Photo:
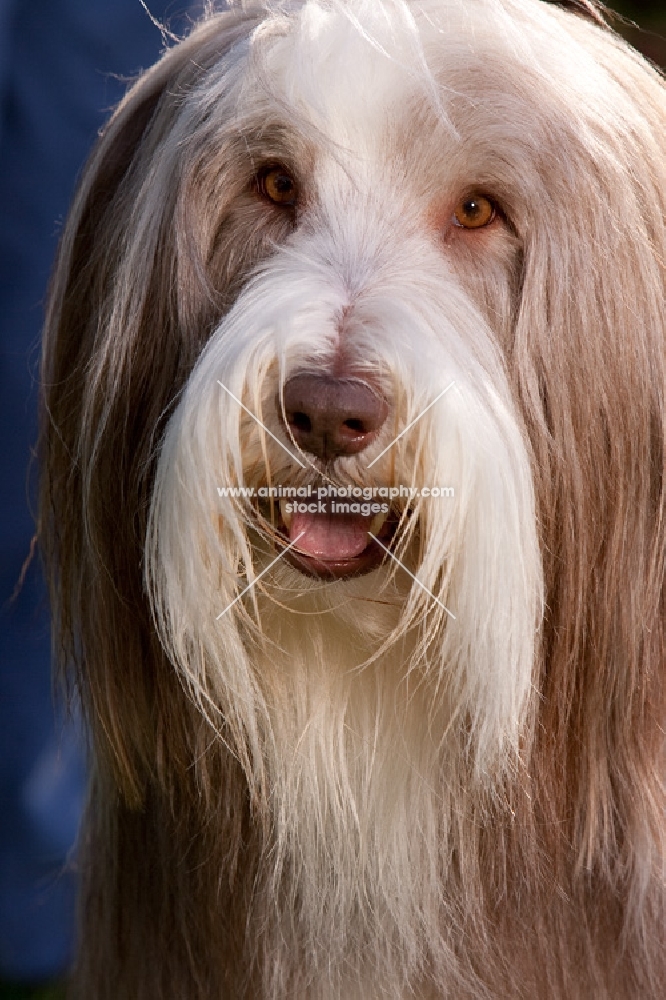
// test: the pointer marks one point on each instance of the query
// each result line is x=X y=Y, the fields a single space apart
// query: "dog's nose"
x=329 y=417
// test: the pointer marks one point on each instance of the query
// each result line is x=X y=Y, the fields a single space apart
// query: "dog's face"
x=372 y=253
x=381 y=248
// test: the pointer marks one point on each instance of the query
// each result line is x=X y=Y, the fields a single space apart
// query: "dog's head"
x=362 y=251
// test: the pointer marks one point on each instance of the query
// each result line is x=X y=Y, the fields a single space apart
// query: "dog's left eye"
x=474 y=212
x=277 y=184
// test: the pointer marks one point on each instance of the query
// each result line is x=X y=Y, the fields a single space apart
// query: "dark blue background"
x=61 y=69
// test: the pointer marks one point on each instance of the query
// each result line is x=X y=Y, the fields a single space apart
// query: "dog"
x=353 y=508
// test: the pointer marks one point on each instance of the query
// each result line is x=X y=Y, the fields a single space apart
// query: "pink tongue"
x=330 y=536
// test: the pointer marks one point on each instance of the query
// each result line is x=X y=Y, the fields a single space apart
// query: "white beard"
x=359 y=705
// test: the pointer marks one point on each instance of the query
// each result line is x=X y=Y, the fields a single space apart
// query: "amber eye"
x=474 y=212
x=277 y=184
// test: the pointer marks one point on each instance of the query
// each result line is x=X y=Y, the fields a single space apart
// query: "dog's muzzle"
x=329 y=418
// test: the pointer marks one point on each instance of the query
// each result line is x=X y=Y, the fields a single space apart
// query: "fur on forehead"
x=353 y=79
x=316 y=57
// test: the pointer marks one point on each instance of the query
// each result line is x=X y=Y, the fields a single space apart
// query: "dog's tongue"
x=330 y=536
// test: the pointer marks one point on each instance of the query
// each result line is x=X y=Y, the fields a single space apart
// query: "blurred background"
x=64 y=64
x=644 y=27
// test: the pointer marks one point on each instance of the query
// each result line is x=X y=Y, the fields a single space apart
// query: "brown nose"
x=329 y=417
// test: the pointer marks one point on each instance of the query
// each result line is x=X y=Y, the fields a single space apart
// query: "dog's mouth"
x=331 y=545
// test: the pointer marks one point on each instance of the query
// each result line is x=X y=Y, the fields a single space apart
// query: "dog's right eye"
x=277 y=184
x=474 y=212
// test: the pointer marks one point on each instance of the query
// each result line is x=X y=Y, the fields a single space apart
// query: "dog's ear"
x=121 y=157
x=112 y=362
x=590 y=362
